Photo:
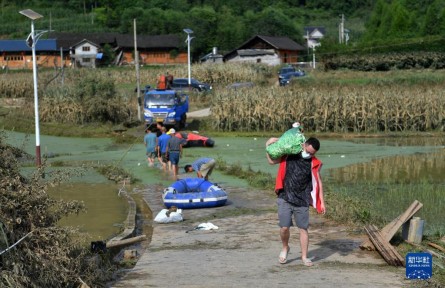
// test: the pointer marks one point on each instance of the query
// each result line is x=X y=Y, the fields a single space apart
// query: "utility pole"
x=62 y=63
x=138 y=78
x=341 y=29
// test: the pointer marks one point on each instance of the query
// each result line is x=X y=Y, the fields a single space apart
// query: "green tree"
x=230 y=30
x=126 y=20
x=401 y=23
x=434 y=19
x=273 y=22
x=203 y=22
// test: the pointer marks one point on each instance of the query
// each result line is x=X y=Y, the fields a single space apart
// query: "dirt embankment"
x=243 y=252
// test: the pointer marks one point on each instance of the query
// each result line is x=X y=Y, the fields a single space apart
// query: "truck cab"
x=165 y=106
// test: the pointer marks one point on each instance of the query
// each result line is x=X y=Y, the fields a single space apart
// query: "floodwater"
x=378 y=166
x=106 y=211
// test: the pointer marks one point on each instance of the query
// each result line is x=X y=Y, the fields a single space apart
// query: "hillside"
x=228 y=24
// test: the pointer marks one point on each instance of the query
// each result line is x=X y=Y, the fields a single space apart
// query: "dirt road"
x=243 y=252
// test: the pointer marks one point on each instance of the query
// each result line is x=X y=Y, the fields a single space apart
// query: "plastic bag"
x=289 y=143
x=165 y=216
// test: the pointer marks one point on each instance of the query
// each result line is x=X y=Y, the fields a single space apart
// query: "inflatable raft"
x=190 y=193
x=195 y=140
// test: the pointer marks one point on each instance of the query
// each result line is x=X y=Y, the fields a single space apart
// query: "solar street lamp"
x=31 y=41
x=189 y=31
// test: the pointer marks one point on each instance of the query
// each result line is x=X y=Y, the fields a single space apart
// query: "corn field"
x=337 y=101
x=331 y=108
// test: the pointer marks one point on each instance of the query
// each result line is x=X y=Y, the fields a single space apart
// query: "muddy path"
x=243 y=252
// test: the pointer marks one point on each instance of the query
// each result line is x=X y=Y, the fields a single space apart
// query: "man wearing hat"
x=174 y=150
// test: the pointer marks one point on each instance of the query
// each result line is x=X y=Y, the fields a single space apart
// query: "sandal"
x=283 y=256
x=307 y=262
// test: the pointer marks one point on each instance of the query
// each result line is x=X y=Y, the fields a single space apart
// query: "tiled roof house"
x=153 y=50
x=271 y=50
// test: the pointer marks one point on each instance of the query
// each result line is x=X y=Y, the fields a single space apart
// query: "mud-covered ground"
x=244 y=251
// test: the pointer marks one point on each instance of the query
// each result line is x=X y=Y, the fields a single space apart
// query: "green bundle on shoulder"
x=289 y=143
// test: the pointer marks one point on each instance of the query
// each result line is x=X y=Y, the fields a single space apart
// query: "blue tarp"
x=20 y=45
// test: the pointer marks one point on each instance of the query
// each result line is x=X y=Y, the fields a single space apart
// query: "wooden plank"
x=128 y=241
x=391 y=229
x=386 y=250
x=438 y=247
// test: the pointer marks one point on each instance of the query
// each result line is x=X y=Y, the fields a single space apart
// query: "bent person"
x=202 y=166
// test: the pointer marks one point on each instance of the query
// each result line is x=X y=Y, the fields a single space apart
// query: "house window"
x=285 y=58
x=86 y=48
x=258 y=60
x=86 y=60
x=13 y=58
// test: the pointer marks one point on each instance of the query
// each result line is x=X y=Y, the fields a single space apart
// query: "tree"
x=433 y=19
x=272 y=22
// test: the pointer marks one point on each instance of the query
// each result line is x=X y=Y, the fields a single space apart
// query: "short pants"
x=174 y=157
x=164 y=157
x=287 y=210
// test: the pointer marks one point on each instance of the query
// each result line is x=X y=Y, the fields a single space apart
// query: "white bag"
x=173 y=217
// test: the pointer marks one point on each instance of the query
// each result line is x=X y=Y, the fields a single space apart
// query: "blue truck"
x=165 y=106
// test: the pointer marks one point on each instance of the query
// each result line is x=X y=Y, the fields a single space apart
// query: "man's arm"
x=270 y=160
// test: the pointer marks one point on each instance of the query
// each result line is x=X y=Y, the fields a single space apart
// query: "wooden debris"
x=391 y=256
x=128 y=241
x=391 y=229
x=438 y=247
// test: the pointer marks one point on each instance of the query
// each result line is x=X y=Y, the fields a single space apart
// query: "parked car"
x=285 y=78
x=183 y=83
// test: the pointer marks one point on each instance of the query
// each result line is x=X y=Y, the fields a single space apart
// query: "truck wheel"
x=183 y=121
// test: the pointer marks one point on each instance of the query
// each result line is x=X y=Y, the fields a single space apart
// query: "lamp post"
x=189 y=31
x=31 y=41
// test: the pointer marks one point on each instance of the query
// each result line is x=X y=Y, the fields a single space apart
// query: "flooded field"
x=391 y=172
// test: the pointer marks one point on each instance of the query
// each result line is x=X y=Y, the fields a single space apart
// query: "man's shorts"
x=287 y=210
x=164 y=157
x=174 y=157
x=151 y=155
x=207 y=168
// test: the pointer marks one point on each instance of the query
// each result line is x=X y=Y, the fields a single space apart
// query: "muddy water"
x=379 y=162
x=105 y=209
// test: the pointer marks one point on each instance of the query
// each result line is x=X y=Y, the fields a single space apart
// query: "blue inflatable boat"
x=190 y=193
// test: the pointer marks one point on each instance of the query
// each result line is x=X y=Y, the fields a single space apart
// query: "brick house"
x=15 y=54
x=270 y=50
x=85 y=50
x=153 y=50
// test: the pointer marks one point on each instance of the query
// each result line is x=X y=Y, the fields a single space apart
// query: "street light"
x=189 y=31
x=31 y=41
